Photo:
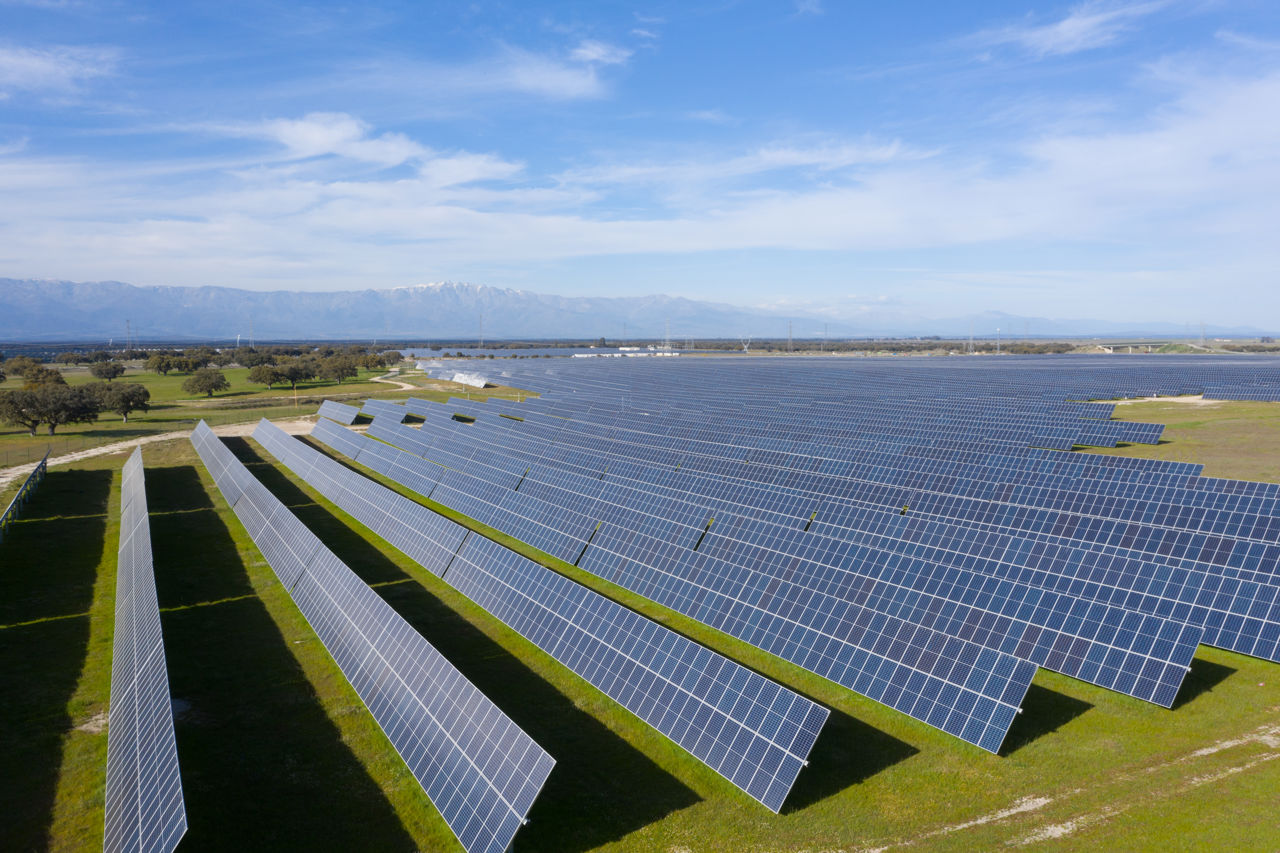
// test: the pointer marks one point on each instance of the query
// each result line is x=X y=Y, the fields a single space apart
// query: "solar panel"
x=343 y=414
x=144 y=807
x=754 y=732
x=478 y=768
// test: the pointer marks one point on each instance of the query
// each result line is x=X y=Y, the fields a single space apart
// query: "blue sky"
x=1118 y=160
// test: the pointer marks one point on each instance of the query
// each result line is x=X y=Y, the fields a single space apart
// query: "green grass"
x=277 y=751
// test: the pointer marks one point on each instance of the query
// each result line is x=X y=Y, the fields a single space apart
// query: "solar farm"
x=676 y=604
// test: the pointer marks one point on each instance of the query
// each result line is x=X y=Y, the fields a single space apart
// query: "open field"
x=277 y=752
x=174 y=409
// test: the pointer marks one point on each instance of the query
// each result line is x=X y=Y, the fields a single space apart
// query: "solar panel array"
x=339 y=412
x=754 y=732
x=144 y=807
x=478 y=768
x=951 y=683
x=742 y=491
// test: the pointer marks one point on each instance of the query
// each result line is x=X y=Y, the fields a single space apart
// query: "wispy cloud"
x=57 y=69
x=1088 y=26
x=600 y=53
x=511 y=70
x=710 y=116
x=809 y=7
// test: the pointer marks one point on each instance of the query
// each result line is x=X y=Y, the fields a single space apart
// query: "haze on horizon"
x=1108 y=159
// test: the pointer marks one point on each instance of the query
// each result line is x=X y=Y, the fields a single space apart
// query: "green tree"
x=159 y=362
x=40 y=377
x=298 y=370
x=60 y=405
x=392 y=357
x=53 y=405
x=123 y=398
x=107 y=370
x=265 y=374
x=21 y=364
x=18 y=408
x=338 y=367
x=68 y=358
x=205 y=381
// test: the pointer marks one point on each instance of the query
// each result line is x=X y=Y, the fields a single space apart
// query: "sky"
x=1112 y=160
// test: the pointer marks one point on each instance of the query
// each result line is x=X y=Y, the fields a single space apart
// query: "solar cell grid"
x=144 y=806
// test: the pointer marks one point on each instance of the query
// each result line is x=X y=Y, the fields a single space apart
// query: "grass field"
x=278 y=753
x=174 y=409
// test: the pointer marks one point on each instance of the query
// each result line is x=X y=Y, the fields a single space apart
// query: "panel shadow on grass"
x=50 y=564
x=602 y=787
x=1203 y=677
x=847 y=752
x=1044 y=711
x=200 y=566
x=263 y=766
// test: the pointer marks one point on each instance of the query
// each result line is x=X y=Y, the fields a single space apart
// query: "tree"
x=265 y=374
x=2 y=376
x=68 y=358
x=58 y=405
x=20 y=365
x=40 y=377
x=18 y=408
x=205 y=381
x=159 y=362
x=200 y=356
x=107 y=370
x=298 y=370
x=392 y=357
x=338 y=367
x=123 y=398
x=53 y=405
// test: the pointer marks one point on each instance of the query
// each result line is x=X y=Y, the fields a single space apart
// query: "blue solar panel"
x=144 y=806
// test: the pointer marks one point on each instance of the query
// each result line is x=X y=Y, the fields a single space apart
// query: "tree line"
x=46 y=400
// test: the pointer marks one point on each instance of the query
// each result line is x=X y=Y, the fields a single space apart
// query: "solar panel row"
x=478 y=768
x=144 y=807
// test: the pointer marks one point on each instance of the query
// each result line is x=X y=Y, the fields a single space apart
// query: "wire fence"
x=24 y=493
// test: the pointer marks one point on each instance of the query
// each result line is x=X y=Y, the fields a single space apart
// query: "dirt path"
x=298 y=426
x=403 y=386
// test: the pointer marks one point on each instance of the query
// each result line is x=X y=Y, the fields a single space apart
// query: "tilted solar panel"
x=144 y=807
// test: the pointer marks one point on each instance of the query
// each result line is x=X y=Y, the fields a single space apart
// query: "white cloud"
x=54 y=69
x=809 y=7
x=1088 y=26
x=644 y=34
x=510 y=71
x=600 y=53
x=1190 y=185
x=319 y=134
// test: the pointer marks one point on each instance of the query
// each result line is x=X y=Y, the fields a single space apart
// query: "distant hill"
x=36 y=310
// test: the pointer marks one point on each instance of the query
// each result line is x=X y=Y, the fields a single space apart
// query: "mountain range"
x=38 y=310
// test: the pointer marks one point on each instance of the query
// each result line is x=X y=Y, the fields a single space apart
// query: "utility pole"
x=997 y=340
x=788 y=336
x=128 y=336
x=482 y=329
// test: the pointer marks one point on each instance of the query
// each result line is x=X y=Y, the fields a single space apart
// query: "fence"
x=20 y=499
